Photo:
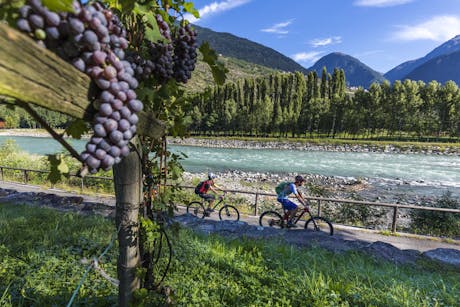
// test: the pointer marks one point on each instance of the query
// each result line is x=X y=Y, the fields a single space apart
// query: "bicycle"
x=226 y=213
x=314 y=223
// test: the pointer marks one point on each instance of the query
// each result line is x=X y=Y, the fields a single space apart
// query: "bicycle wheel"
x=196 y=208
x=320 y=224
x=229 y=213
x=271 y=219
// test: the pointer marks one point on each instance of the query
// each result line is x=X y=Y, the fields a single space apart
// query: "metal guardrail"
x=258 y=194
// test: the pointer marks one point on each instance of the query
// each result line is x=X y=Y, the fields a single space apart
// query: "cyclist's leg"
x=210 y=198
x=291 y=208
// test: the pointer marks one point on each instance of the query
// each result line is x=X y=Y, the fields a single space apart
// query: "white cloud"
x=380 y=3
x=279 y=28
x=310 y=57
x=438 y=28
x=320 y=42
x=215 y=8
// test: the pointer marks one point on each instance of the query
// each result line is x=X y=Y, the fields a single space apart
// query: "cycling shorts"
x=287 y=204
x=207 y=197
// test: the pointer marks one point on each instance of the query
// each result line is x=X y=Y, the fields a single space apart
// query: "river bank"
x=307 y=146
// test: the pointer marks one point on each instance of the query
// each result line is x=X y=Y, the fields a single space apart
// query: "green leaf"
x=152 y=32
x=190 y=8
x=58 y=168
x=77 y=128
x=59 y=5
x=218 y=69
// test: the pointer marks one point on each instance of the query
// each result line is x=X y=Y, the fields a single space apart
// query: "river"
x=428 y=173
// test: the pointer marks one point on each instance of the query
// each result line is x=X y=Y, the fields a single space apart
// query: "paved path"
x=402 y=241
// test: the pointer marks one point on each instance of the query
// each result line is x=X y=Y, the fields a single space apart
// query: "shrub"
x=437 y=223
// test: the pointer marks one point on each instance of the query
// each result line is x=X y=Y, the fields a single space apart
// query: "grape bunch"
x=93 y=39
x=173 y=57
x=184 y=53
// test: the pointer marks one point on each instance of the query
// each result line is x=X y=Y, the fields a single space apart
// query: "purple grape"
x=130 y=95
x=124 y=151
x=127 y=135
x=84 y=155
x=115 y=116
x=125 y=113
x=105 y=109
x=79 y=64
x=96 y=140
x=23 y=25
x=114 y=151
x=123 y=125
x=133 y=119
x=103 y=84
x=116 y=136
x=100 y=119
x=52 y=19
x=99 y=130
x=110 y=125
x=100 y=154
x=110 y=72
x=104 y=145
x=117 y=104
x=93 y=162
x=36 y=21
x=106 y=96
x=99 y=57
x=135 y=105
x=24 y=11
x=90 y=148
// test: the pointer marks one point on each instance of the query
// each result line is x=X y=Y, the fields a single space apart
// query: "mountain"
x=401 y=71
x=442 y=68
x=356 y=72
x=233 y=46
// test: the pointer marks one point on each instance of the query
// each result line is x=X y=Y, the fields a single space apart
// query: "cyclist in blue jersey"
x=291 y=207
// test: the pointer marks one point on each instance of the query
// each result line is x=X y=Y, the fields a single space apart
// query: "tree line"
x=293 y=104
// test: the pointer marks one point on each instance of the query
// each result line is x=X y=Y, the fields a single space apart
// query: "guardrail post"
x=255 y=205
x=395 y=216
x=1 y=171
x=319 y=207
x=82 y=184
x=26 y=179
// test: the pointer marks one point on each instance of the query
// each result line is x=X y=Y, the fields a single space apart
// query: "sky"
x=380 y=33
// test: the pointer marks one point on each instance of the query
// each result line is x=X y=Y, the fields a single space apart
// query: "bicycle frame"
x=298 y=215
x=221 y=199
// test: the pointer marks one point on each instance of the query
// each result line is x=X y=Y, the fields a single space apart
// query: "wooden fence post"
x=255 y=205
x=26 y=179
x=1 y=171
x=395 y=216
x=319 y=207
x=82 y=184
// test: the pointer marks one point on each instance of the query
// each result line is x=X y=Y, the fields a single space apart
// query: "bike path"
x=402 y=241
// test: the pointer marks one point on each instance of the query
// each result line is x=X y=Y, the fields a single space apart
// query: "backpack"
x=280 y=187
x=200 y=188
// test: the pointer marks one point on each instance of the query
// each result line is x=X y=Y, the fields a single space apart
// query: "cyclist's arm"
x=301 y=199
x=215 y=188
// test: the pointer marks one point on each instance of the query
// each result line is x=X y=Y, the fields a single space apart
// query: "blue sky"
x=380 y=33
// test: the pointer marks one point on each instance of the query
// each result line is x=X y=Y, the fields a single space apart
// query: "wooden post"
x=128 y=190
x=395 y=216
x=26 y=179
x=319 y=207
x=1 y=171
x=255 y=205
x=82 y=184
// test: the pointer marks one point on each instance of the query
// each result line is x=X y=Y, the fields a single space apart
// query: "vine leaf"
x=58 y=168
x=190 y=8
x=210 y=57
x=77 y=128
x=59 y=5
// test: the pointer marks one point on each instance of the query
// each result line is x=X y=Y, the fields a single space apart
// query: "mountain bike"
x=226 y=213
x=314 y=223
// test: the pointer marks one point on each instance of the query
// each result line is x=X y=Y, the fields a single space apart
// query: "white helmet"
x=211 y=176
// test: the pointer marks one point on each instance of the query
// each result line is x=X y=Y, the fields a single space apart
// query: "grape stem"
x=50 y=130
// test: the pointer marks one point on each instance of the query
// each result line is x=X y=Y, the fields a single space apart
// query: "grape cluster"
x=173 y=57
x=184 y=53
x=93 y=39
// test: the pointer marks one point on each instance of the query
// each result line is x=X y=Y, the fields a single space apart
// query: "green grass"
x=40 y=252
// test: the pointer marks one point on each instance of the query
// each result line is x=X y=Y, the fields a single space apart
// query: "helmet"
x=211 y=176
x=299 y=178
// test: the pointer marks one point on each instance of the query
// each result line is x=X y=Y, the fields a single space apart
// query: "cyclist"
x=284 y=190
x=203 y=188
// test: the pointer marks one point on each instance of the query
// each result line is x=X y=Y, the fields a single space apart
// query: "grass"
x=41 y=249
